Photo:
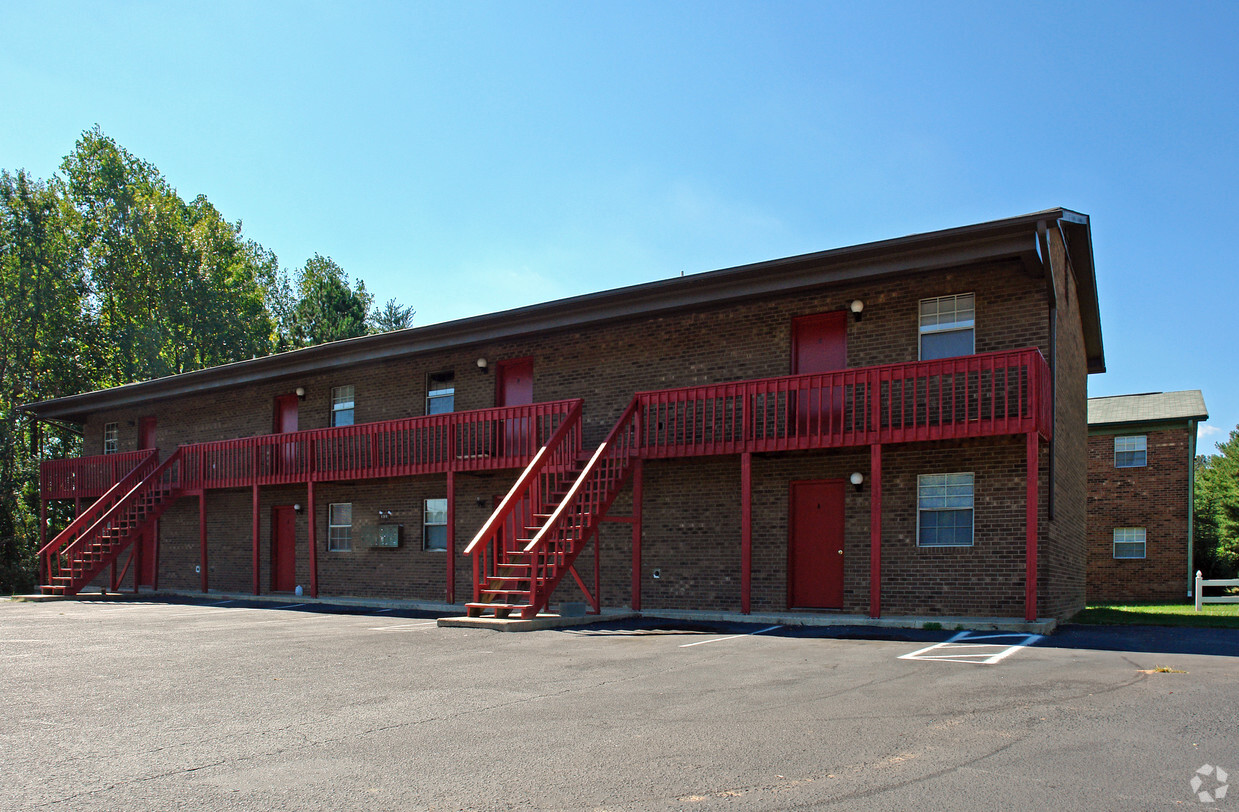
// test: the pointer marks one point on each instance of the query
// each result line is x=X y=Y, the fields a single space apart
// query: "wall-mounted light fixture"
x=857 y=479
x=481 y=501
x=385 y=514
x=858 y=308
x=482 y=364
x=300 y=393
x=296 y=508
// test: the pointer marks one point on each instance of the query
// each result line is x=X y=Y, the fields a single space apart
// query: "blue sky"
x=468 y=157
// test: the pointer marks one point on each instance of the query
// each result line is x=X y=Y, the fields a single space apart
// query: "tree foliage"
x=391 y=316
x=324 y=307
x=108 y=276
x=1216 y=510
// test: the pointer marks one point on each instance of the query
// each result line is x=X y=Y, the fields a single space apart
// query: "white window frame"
x=946 y=320
x=339 y=532
x=1132 y=444
x=343 y=399
x=111 y=438
x=427 y=524
x=440 y=393
x=1130 y=536
x=943 y=481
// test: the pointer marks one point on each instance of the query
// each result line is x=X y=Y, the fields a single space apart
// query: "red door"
x=283 y=549
x=284 y=421
x=819 y=344
x=146 y=433
x=815 y=550
x=285 y=414
x=514 y=387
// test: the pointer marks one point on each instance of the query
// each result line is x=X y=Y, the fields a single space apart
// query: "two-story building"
x=891 y=427
x=1141 y=475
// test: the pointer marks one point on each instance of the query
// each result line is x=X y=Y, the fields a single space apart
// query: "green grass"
x=1211 y=615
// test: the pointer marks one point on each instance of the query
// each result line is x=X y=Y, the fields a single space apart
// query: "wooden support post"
x=598 y=570
x=875 y=530
x=451 y=535
x=155 y=551
x=202 y=541
x=257 y=583
x=312 y=515
x=637 y=495
x=1030 y=520
x=45 y=577
x=136 y=558
x=746 y=530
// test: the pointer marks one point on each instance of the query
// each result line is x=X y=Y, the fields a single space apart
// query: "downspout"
x=1048 y=263
x=1191 y=505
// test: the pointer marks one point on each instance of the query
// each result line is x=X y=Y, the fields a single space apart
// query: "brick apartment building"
x=1141 y=473
x=891 y=427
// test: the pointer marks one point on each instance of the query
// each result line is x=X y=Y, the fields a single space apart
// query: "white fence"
x=1214 y=582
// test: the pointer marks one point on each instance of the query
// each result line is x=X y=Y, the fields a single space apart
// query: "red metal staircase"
x=548 y=518
x=97 y=537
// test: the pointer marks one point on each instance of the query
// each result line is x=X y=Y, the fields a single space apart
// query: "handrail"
x=586 y=473
x=103 y=517
x=1004 y=392
x=528 y=495
x=589 y=496
x=90 y=514
x=479 y=439
x=532 y=470
x=86 y=477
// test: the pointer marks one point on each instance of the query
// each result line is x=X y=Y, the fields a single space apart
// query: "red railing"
x=545 y=479
x=57 y=558
x=970 y=396
x=576 y=519
x=86 y=477
x=101 y=532
x=483 y=439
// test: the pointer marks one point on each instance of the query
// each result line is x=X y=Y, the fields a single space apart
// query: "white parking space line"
x=967 y=647
x=730 y=637
x=403 y=627
x=221 y=603
x=289 y=606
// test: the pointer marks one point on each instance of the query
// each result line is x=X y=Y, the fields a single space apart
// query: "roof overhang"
x=1010 y=239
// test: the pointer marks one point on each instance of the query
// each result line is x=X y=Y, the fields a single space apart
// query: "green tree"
x=391 y=316
x=174 y=287
x=44 y=336
x=1216 y=510
x=322 y=306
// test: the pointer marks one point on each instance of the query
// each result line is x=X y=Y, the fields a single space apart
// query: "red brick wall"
x=691 y=506
x=1153 y=497
x=1062 y=558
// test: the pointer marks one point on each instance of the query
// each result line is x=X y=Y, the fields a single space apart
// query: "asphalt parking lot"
x=132 y=705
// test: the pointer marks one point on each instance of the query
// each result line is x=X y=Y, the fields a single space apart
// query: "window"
x=947 y=326
x=1131 y=452
x=441 y=393
x=340 y=527
x=434 y=525
x=342 y=406
x=944 y=510
x=1129 y=542
x=111 y=438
